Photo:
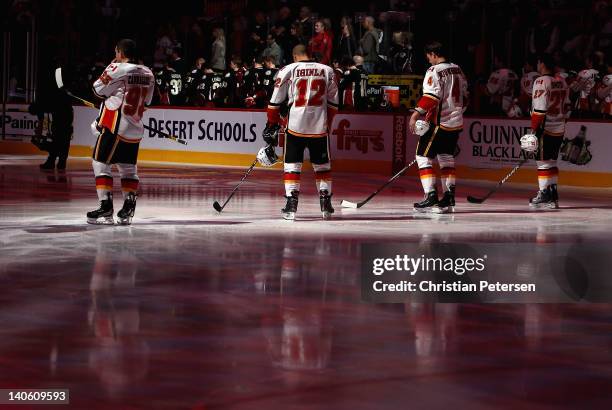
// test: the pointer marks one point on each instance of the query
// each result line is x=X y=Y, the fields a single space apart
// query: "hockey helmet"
x=529 y=143
x=267 y=156
x=421 y=127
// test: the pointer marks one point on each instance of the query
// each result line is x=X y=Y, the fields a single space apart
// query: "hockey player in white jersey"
x=529 y=76
x=604 y=93
x=501 y=86
x=583 y=86
x=550 y=110
x=443 y=102
x=126 y=88
x=312 y=94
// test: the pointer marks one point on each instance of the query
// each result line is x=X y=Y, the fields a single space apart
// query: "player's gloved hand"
x=270 y=134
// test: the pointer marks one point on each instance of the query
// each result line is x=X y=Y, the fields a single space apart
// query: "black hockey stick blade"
x=217 y=207
x=475 y=200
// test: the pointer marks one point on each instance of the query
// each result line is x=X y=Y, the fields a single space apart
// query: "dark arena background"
x=189 y=288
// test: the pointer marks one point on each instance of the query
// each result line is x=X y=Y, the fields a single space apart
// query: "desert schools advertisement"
x=358 y=143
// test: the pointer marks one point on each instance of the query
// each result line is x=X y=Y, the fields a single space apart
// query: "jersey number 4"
x=315 y=90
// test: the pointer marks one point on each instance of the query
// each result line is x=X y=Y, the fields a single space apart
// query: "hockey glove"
x=270 y=134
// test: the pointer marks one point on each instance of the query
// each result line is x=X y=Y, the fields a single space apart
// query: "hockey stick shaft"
x=393 y=178
x=503 y=181
x=60 y=84
x=239 y=183
x=146 y=127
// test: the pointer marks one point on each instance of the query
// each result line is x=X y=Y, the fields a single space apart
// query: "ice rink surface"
x=188 y=308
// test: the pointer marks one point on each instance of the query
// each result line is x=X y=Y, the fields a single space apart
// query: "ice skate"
x=104 y=214
x=545 y=199
x=447 y=203
x=326 y=206
x=288 y=212
x=429 y=201
x=125 y=214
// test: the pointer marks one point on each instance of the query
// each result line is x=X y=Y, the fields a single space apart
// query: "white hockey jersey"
x=550 y=104
x=583 y=84
x=311 y=90
x=527 y=82
x=502 y=82
x=126 y=89
x=604 y=94
x=445 y=96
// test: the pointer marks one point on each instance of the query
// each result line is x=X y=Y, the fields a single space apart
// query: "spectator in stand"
x=237 y=39
x=544 y=37
x=369 y=44
x=283 y=22
x=257 y=37
x=305 y=20
x=327 y=24
x=400 y=53
x=282 y=29
x=273 y=50
x=217 y=61
x=320 y=46
x=163 y=46
x=347 y=46
x=293 y=39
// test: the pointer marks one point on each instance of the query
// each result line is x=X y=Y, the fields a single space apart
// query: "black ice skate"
x=104 y=214
x=426 y=205
x=326 y=206
x=288 y=212
x=447 y=203
x=545 y=199
x=555 y=194
x=125 y=214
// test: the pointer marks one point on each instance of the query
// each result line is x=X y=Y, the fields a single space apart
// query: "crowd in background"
x=225 y=53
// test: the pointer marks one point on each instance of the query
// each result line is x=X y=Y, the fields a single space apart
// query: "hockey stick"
x=60 y=85
x=475 y=200
x=216 y=205
x=348 y=204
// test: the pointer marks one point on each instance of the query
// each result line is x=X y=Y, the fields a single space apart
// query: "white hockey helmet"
x=267 y=156
x=529 y=143
x=421 y=127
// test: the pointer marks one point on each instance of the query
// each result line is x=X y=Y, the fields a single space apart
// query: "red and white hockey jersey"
x=550 y=104
x=502 y=82
x=312 y=95
x=604 y=94
x=445 y=96
x=527 y=82
x=583 y=84
x=126 y=89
